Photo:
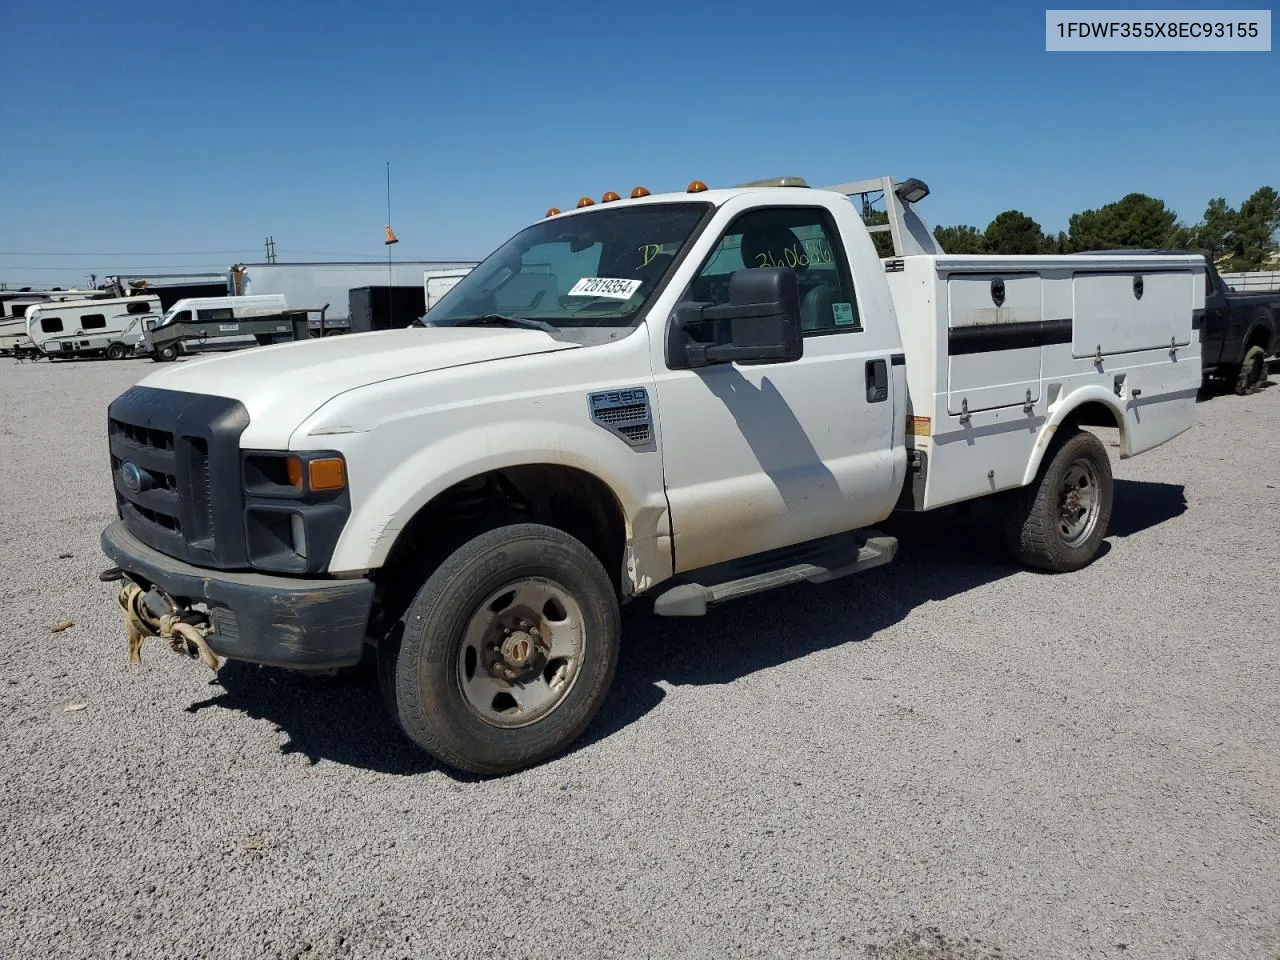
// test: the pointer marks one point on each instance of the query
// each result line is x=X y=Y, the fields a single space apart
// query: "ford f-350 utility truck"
x=686 y=397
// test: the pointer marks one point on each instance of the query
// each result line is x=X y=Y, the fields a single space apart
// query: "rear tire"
x=117 y=351
x=526 y=598
x=167 y=352
x=1252 y=371
x=1058 y=522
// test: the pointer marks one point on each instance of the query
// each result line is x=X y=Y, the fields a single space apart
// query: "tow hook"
x=152 y=613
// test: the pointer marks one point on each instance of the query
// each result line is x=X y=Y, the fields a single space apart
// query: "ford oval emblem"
x=131 y=476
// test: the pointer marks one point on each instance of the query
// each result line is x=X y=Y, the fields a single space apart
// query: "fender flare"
x=1064 y=408
x=1261 y=322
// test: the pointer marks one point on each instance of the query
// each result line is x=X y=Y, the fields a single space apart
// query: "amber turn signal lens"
x=585 y=202
x=327 y=474
x=697 y=186
x=638 y=192
x=294 y=466
x=552 y=212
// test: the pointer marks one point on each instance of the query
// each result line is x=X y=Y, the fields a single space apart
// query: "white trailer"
x=90 y=328
x=436 y=283
x=317 y=284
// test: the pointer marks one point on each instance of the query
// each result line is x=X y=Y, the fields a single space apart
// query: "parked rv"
x=90 y=328
x=14 y=341
x=205 y=324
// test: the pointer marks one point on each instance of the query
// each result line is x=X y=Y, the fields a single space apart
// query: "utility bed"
x=993 y=344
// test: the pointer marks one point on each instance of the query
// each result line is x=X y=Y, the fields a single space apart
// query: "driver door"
x=762 y=456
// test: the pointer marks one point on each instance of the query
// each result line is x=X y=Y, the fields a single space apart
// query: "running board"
x=820 y=562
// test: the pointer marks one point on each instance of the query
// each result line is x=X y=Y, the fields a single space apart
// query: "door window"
x=802 y=238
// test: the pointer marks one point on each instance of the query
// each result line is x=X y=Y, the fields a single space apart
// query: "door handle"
x=877 y=381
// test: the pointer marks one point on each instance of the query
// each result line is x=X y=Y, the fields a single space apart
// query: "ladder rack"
x=910 y=234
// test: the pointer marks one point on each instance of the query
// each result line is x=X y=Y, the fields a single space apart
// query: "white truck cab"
x=686 y=398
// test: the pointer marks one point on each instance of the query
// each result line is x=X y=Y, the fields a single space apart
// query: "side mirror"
x=759 y=324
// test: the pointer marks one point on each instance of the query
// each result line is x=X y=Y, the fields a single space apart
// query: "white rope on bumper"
x=184 y=638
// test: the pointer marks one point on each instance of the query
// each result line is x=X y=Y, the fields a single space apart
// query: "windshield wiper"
x=499 y=319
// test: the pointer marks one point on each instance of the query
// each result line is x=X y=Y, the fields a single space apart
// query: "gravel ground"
x=947 y=757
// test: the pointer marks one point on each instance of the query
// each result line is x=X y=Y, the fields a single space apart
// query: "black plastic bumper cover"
x=281 y=621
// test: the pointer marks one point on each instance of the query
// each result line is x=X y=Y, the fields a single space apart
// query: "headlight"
x=296 y=505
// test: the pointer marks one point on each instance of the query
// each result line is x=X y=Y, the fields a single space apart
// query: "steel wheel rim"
x=532 y=628
x=1079 y=502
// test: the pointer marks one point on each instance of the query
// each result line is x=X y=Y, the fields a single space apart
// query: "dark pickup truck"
x=1238 y=331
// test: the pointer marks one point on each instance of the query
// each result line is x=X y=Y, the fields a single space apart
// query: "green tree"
x=1013 y=232
x=1134 y=221
x=1213 y=235
x=1256 y=226
x=961 y=239
x=884 y=239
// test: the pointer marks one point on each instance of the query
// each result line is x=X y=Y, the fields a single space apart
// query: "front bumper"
x=280 y=621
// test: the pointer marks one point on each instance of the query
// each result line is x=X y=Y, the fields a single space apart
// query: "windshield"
x=593 y=269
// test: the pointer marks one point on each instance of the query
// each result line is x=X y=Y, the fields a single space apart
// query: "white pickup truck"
x=685 y=398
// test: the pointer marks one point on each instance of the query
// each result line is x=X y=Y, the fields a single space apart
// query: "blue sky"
x=195 y=131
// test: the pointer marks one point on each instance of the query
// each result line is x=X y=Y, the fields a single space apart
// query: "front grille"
x=182 y=452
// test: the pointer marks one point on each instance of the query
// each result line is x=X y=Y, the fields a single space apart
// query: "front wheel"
x=117 y=351
x=1058 y=522
x=507 y=652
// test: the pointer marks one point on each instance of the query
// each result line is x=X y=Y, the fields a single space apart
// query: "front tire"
x=117 y=351
x=507 y=652
x=1252 y=371
x=1059 y=522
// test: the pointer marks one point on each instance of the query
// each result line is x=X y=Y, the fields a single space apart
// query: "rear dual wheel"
x=506 y=653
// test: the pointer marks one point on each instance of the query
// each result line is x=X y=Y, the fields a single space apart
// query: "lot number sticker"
x=614 y=289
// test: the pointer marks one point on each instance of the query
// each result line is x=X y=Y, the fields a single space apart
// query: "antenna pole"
x=389 y=284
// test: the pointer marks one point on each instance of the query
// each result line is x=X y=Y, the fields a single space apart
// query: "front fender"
x=408 y=485
x=1065 y=407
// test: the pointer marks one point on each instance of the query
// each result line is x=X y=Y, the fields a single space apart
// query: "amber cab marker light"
x=585 y=202
x=294 y=467
x=553 y=211
x=327 y=474
x=697 y=186
x=639 y=192
x=610 y=197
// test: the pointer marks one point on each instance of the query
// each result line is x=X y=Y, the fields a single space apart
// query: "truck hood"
x=290 y=381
